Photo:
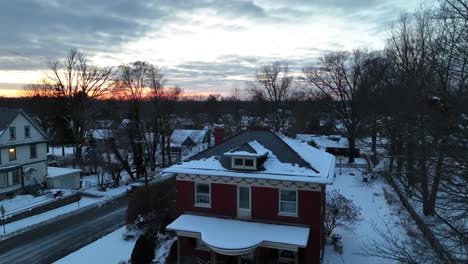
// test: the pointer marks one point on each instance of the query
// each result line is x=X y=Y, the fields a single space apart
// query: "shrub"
x=340 y=212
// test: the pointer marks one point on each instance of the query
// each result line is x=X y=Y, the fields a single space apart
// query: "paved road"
x=49 y=243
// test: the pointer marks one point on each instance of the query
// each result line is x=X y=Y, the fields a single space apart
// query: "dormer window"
x=244 y=163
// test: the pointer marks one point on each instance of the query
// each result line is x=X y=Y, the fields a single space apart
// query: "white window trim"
x=243 y=166
x=209 y=194
x=279 y=203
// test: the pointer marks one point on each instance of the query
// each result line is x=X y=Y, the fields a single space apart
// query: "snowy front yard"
x=108 y=249
x=113 y=249
x=375 y=213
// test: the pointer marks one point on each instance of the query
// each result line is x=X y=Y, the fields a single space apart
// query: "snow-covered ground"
x=22 y=202
x=39 y=218
x=375 y=213
x=111 y=248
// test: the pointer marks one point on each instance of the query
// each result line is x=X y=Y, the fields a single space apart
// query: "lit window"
x=3 y=179
x=12 y=153
x=33 y=151
x=288 y=202
x=27 y=132
x=202 y=194
x=12 y=133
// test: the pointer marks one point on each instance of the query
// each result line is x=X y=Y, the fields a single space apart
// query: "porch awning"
x=235 y=237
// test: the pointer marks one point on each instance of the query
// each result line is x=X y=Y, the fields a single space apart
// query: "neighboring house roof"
x=286 y=159
x=325 y=141
x=181 y=136
x=8 y=115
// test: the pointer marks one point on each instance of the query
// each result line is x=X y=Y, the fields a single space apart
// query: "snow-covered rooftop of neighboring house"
x=226 y=235
x=53 y=172
x=101 y=133
x=287 y=159
x=180 y=135
x=324 y=141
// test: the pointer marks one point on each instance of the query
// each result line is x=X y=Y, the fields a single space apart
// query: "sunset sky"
x=203 y=46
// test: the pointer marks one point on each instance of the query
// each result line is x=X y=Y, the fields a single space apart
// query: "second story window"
x=202 y=194
x=27 y=132
x=33 y=151
x=12 y=153
x=288 y=203
x=12 y=133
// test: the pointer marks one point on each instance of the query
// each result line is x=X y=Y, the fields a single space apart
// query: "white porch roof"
x=235 y=237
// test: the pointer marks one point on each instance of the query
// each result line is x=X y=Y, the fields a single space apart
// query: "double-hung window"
x=16 y=177
x=288 y=203
x=12 y=131
x=27 y=132
x=33 y=151
x=3 y=179
x=202 y=194
x=12 y=153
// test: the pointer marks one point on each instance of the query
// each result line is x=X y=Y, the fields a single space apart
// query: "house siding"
x=23 y=157
x=264 y=207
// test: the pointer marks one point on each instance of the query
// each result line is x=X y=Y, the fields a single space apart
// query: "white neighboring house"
x=23 y=151
x=184 y=140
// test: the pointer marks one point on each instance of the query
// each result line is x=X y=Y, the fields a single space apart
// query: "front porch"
x=213 y=240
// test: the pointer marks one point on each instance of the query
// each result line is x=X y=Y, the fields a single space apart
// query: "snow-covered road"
x=51 y=242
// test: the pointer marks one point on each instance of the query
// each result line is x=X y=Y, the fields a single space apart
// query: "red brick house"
x=258 y=197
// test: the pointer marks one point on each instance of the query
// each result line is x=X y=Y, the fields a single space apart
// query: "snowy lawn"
x=110 y=249
x=375 y=212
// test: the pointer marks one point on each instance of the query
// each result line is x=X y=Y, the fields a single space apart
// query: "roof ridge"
x=277 y=134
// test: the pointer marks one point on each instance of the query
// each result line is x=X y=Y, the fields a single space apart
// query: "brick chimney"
x=218 y=134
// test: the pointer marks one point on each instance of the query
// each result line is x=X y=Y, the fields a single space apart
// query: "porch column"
x=178 y=250
x=213 y=257
x=296 y=257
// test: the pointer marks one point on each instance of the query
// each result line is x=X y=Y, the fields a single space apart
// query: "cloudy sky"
x=204 y=46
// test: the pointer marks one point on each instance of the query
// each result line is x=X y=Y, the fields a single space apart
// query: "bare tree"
x=339 y=79
x=274 y=84
x=78 y=83
x=132 y=83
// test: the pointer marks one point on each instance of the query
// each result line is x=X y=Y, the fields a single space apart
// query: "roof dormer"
x=247 y=157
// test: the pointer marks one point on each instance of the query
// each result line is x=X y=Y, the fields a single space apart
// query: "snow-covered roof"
x=180 y=135
x=255 y=150
x=101 y=133
x=53 y=172
x=227 y=236
x=287 y=159
x=325 y=141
